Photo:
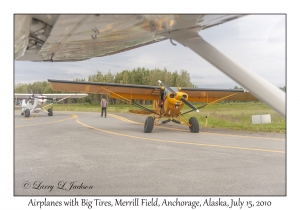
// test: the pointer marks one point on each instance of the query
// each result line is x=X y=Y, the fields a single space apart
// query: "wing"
x=80 y=37
x=143 y=92
x=210 y=95
x=23 y=95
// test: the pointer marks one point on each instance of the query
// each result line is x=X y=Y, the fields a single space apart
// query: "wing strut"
x=56 y=102
x=129 y=101
x=259 y=87
x=200 y=107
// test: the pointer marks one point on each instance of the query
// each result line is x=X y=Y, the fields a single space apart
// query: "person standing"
x=103 y=105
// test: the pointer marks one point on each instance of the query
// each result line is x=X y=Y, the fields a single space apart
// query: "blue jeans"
x=103 y=109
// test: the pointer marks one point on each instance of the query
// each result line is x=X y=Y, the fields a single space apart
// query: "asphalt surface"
x=80 y=153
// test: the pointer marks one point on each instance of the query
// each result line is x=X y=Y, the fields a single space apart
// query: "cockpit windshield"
x=175 y=89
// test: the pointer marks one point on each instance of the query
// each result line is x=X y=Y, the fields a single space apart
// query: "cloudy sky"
x=257 y=42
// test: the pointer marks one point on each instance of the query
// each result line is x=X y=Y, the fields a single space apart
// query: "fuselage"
x=34 y=104
x=173 y=104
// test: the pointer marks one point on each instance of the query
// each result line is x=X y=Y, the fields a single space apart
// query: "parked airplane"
x=59 y=38
x=167 y=102
x=34 y=103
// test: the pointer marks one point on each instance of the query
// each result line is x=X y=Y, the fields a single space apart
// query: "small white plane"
x=34 y=103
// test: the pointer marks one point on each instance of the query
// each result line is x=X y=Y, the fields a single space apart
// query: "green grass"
x=237 y=116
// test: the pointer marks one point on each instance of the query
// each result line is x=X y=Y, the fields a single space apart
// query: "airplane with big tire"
x=35 y=103
x=167 y=102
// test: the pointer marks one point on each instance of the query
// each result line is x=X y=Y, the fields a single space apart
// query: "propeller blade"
x=166 y=86
x=189 y=104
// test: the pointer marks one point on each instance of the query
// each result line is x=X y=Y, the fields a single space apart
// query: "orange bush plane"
x=167 y=101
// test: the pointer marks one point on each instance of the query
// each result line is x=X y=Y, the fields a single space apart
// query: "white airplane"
x=34 y=103
x=58 y=38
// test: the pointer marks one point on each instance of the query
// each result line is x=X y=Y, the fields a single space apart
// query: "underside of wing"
x=143 y=92
x=80 y=37
x=210 y=95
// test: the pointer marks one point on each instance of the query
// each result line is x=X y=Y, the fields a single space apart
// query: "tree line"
x=139 y=76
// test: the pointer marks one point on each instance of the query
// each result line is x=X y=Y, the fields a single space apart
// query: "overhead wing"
x=143 y=92
x=210 y=95
x=79 y=37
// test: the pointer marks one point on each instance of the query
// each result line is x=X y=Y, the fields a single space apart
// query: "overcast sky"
x=257 y=42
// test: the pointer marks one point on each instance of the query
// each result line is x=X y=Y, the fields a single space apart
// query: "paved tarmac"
x=80 y=153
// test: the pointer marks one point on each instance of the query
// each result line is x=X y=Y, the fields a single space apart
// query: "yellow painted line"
x=124 y=119
x=220 y=134
x=178 y=142
x=127 y=120
x=74 y=116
